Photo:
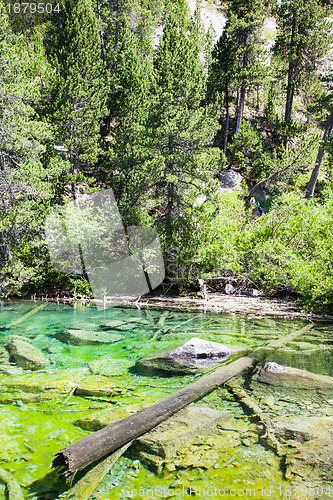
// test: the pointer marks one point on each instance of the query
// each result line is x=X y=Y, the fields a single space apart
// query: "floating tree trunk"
x=105 y=441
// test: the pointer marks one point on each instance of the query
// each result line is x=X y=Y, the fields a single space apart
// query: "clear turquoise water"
x=47 y=426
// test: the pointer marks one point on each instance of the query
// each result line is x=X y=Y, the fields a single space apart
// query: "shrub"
x=291 y=247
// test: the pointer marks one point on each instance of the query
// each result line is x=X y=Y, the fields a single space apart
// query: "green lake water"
x=33 y=428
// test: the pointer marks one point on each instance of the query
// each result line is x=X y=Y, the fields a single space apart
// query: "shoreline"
x=253 y=307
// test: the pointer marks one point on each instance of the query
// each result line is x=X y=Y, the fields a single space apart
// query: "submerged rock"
x=110 y=367
x=25 y=355
x=113 y=324
x=163 y=442
x=97 y=420
x=84 y=337
x=97 y=387
x=4 y=356
x=302 y=429
x=318 y=359
x=194 y=355
x=127 y=325
x=313 y=462
x=285 y=376
x=58 y=384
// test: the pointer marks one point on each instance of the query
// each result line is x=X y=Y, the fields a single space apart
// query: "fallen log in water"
x=87 y=485
x=27 y=315
x=13 y=488
x=105 y=441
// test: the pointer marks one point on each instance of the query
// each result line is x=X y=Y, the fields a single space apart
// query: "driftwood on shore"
x=105 y=441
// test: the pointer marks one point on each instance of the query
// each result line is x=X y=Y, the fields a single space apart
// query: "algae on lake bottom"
x=43 y=411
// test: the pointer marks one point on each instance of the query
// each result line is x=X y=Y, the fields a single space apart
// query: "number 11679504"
x=32 y=8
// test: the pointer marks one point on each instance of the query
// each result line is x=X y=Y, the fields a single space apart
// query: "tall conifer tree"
x=181 y=128
x=238 y=58
x=127 y=165
x=79 y=86
x=302 y=39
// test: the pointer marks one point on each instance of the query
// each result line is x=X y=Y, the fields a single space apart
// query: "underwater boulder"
x=109 y=367
x=294 y=378
x=25 y=355
x=158 y=446
x=312 y=462
x=84 y=337
x=4 y=356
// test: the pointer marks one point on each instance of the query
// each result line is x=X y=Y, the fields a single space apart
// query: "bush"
x=291 y=247
x=211 y=246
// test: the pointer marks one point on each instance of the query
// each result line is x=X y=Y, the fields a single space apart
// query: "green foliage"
x=214 y=245
x=25 y=182
x=88 y=102
x=180 y=126
x=303 y=37
x=129 y=166
x=291 y=246
x=246 y=148
x=77 y=85
x=238 y=58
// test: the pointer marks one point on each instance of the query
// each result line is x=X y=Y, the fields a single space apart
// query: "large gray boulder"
x=25 y=355
x=230 y=180
x=197 y=348
x=193 y=356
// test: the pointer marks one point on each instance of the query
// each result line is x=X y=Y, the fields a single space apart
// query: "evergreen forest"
x=92 y=98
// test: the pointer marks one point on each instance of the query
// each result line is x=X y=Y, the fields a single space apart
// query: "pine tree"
x=78 y=86
x=238 y=58
x=25 y=178
x=302 y=39
x=222 y=77
x=181 y=128
x=127 y=166
x=323 y=107
x=246 y=20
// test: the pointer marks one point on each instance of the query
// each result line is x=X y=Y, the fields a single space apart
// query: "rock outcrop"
x=230 y=180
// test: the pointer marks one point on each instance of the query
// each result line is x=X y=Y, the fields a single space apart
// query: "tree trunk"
x=242 y=93
x=291 y=74
x=321 y=152
x=226 y=129
x=170 y=214
x=105 y=441
x=5 y=253
x=290 y=94
x=240 y=110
